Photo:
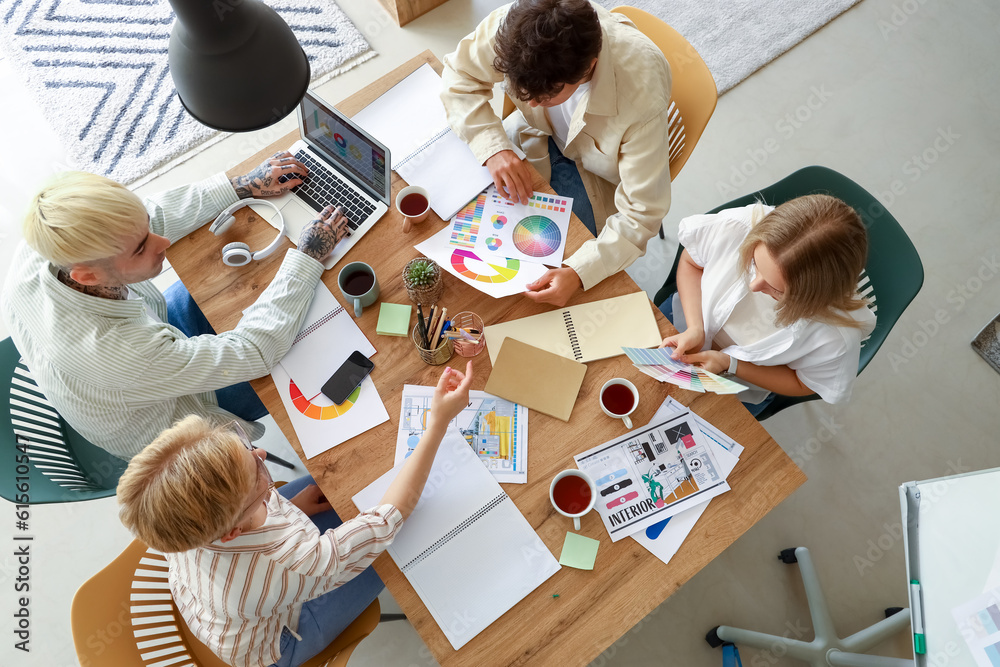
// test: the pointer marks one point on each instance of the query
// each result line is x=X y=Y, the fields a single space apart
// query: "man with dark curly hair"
x=591 y=94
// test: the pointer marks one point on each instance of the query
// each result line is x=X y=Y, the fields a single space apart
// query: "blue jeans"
x=322 y=619
x=667 y=308
x=183 y=313
x=566 y=181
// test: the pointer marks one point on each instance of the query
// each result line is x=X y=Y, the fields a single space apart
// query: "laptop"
x=347 y=167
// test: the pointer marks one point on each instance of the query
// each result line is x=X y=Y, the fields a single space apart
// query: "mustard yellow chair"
x=125 y=615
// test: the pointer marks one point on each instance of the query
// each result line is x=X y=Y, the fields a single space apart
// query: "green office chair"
x=893 y=274
x=47 y=461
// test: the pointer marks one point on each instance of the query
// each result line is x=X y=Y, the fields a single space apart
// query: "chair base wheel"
x=713 y=638
x=787 y=556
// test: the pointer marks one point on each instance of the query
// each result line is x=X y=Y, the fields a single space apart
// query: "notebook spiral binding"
x=422 y=148
x=574 y=342
x=455 y=532
x=317 y=324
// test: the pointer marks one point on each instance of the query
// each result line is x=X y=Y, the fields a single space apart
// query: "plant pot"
x=424 y=294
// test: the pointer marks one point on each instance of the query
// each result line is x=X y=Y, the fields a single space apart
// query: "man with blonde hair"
x=266 y=578
x=119 y=360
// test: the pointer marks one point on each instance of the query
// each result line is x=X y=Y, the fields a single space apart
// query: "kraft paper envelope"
x=537 y=379
x=585 y=332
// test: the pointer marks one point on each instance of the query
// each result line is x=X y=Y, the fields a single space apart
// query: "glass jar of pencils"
x=468 y=334
x=437 y=356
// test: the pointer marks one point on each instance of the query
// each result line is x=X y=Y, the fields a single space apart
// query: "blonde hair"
x=79 y=217
x=821 y=246
x=187 y=488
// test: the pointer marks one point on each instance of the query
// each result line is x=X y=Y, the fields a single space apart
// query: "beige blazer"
x=618 y=135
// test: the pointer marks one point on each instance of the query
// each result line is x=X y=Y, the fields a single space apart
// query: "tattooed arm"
x=319 y=237
x=263 y=181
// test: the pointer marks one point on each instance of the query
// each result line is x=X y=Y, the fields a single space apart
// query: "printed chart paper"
x=653 y=473
x=496 y=430
x=979 y=623
x=664 y=541
x=658 y=363
x=532 y=232
x=454 y=249
x=319 y=423
x=327 y=338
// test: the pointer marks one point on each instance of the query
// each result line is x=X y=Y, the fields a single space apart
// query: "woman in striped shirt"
x=265 y=578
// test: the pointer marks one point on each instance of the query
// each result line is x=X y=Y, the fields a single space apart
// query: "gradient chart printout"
x=979 y=623
x=495 y=429
x=319 y=423
x=532 y=232
x=452 y=248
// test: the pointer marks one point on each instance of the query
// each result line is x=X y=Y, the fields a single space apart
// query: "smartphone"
x=347 y=378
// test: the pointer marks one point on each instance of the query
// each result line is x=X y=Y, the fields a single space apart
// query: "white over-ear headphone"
x=238 y=254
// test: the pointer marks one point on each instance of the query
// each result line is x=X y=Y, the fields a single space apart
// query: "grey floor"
x=902 y=97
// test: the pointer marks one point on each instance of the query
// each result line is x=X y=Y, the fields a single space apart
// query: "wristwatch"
x=733 y=362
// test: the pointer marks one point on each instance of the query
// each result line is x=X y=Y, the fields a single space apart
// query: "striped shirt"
x=238 y=596
x=114 y=370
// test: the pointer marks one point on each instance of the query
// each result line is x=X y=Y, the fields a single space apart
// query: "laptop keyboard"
x=322 y=188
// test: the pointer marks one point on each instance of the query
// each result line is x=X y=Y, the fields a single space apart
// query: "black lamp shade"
x=236 y=64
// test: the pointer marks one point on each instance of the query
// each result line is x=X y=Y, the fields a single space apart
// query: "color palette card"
x=659 y=364
x=532 y=232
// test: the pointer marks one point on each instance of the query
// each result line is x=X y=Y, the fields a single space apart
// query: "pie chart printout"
x=537 y=236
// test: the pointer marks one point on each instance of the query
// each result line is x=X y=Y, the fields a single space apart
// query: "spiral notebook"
x=587 y=332
x=467 y=550
x=424 y=149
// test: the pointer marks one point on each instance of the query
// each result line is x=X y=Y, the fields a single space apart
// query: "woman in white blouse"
x=769 y=296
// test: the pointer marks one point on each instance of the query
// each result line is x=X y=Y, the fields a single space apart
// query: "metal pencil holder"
x=441 y=354
x=469 y=321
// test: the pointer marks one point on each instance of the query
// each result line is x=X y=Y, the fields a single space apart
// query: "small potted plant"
x=423 y=280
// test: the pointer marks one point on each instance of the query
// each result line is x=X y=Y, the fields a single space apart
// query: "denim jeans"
x=566 y=182
x=183 y=313
x=322 y=619
x=667 y=308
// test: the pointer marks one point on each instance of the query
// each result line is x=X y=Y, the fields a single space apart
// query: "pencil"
x=438 y=328
x=432 y=319
x=421 y=325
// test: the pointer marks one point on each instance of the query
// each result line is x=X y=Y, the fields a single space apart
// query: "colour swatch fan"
x=659 y=364
x=532 y=232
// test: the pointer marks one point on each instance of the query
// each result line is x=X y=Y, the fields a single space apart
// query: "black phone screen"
x=347 y=378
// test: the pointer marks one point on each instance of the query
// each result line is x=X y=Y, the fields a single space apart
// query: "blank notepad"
x=467 y=550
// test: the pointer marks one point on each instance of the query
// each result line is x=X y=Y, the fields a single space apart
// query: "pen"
x=467 y=335
x=421 y=325
x=917 y=618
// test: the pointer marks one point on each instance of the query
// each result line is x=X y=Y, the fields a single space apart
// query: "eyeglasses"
x=771 y=290
x=262 y=471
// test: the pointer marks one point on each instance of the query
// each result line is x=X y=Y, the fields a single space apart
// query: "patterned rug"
x=736 y=38
x=99 y=70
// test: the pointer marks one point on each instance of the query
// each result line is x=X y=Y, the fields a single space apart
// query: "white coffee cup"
x=593 y=495
x=624 y=416
x=410 y=219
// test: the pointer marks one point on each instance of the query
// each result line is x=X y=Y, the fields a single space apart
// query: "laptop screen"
x=346 y=146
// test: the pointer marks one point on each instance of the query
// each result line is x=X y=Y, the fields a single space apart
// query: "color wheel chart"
x=502 y=275
x=320 y=412
x=532 y=232
x=537 y=236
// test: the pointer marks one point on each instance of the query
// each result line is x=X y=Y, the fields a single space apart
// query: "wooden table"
x=594 y=608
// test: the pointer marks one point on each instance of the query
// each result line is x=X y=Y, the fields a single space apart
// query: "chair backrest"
x=693 y=92
x=893 y=274
x=61 y=465
x=125 y=615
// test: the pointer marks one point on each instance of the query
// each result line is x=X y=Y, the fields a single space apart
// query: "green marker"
x=917 y=618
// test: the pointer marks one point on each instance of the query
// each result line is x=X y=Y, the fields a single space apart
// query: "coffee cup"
x=573 y=494
x=619 y=398
x=359 y=285
x=414 y=204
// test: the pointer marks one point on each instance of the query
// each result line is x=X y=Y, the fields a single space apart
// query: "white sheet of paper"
x=496 y=429
x=532 y=232
x=328 y=336
x=467 y=550
x=496 y=277
x=321 y=425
